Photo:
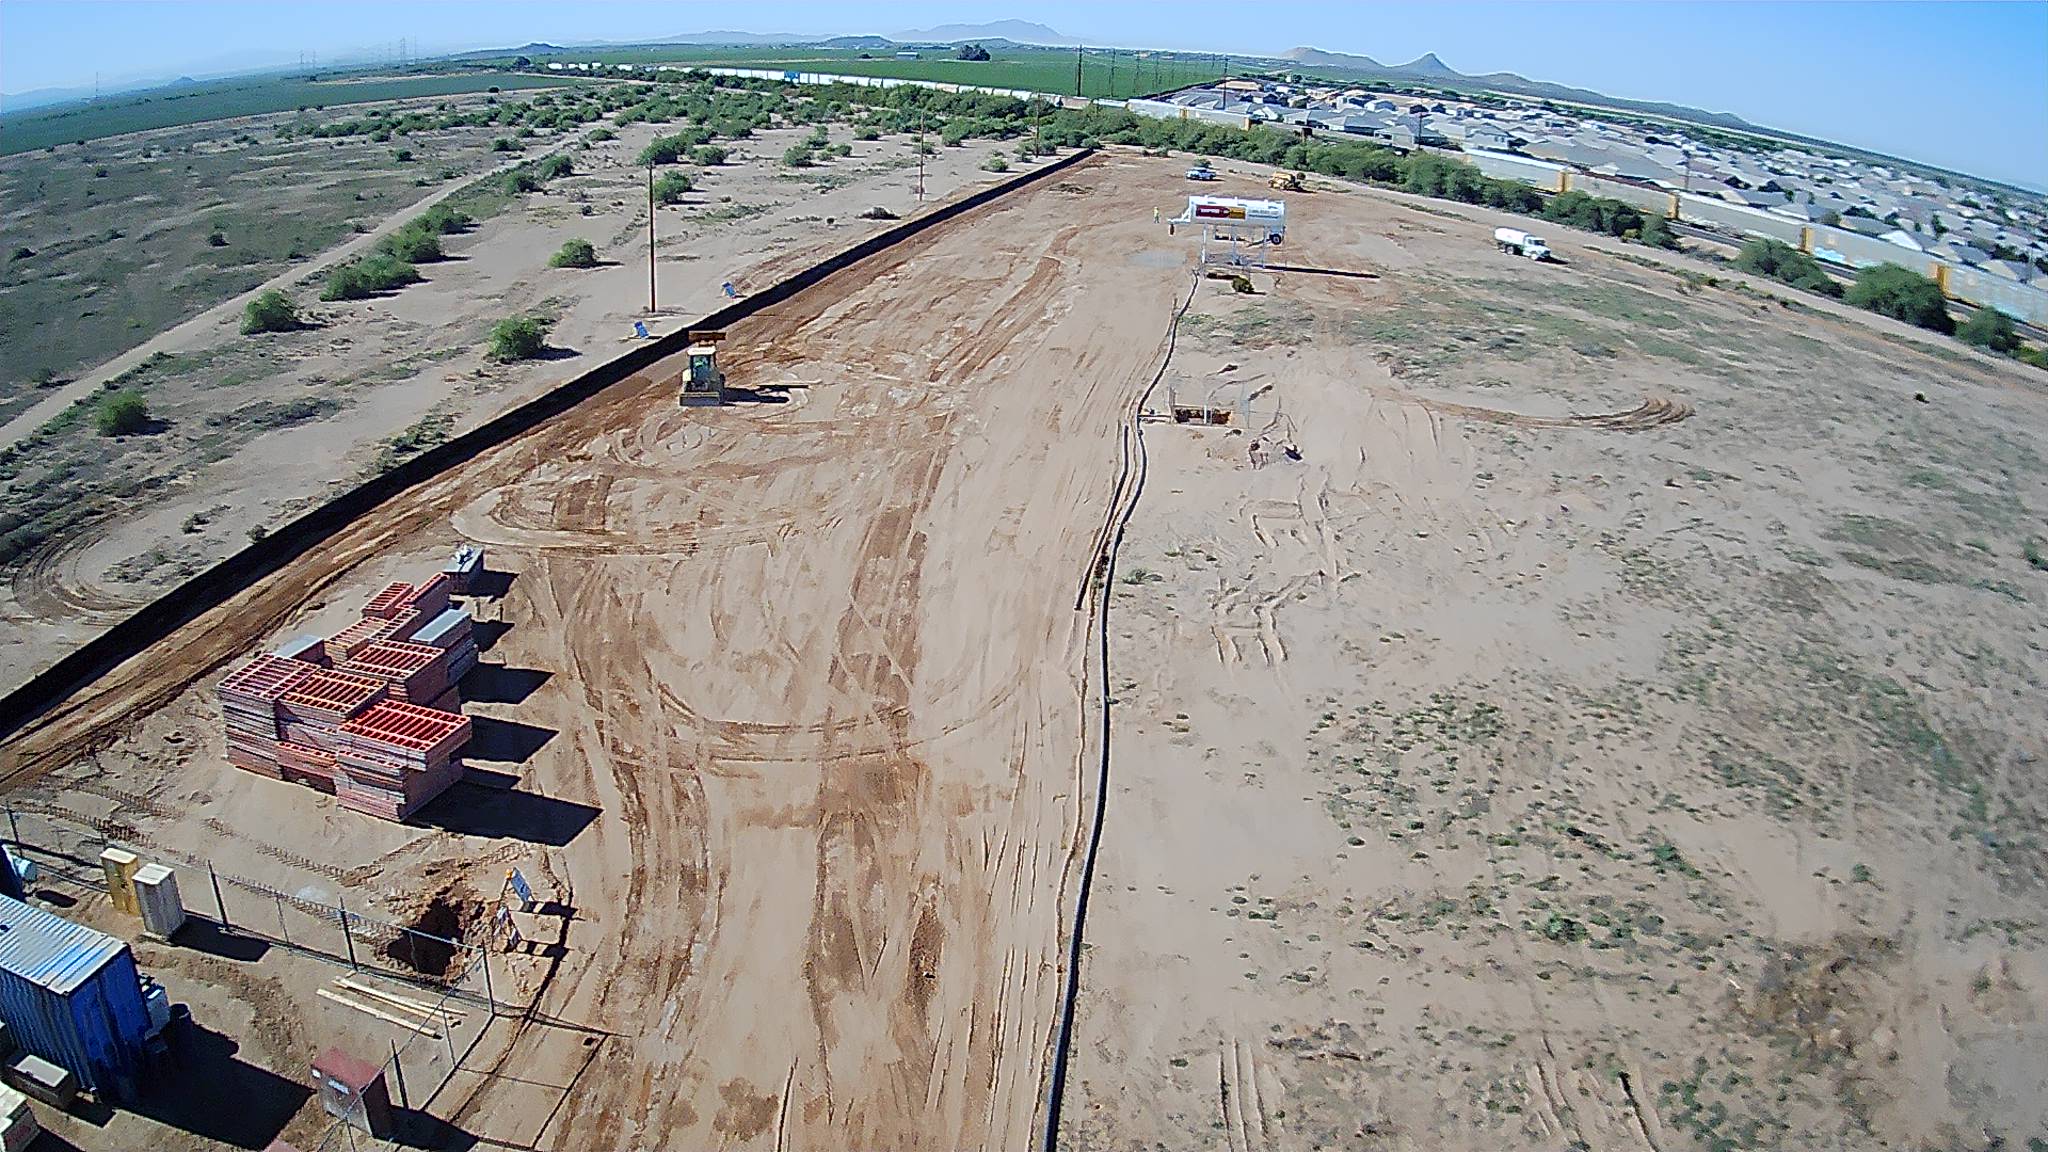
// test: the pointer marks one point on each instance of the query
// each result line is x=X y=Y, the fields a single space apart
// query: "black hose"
x=1121 y=507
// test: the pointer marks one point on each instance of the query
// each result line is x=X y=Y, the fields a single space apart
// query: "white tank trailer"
x=1257 y=220
x=1521 y=243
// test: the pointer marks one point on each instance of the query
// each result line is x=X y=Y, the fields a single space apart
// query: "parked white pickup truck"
x=1521 y=243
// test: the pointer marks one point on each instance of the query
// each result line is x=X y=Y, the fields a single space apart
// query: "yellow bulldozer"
x=1288 y=182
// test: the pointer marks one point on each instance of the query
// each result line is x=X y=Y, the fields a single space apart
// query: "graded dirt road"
x=814 y=660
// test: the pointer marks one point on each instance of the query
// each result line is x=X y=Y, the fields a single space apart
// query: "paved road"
x=196 y=329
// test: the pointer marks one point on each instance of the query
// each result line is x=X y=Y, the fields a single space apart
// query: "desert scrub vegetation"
x=361 y=279
x=1902 y=294
x=122 y=413
x=575 y=253
x=1991 y=330
x=518 y=338
x=1786 y=265
x=671 y=187
x=271 y=312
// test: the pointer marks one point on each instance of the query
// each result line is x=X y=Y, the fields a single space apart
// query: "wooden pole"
x=650 y=238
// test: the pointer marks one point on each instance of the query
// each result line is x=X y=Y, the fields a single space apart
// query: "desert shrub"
x=575 y=253
x=554 y=166
x=1990 y=329
x=1241 y=285
x=670 y=187
x=121 y=414
x=518 y=338
x=1657 y=232
x=1787 y=265
x=1902 y=294
x=413 y=244
x=216 y=239
x=798 y=156
x=367 y=277
x=600 y=135
x=672 y=149
x=521 y=180
x=1594 y=213
x=402 y=155
x=504 y=144
x=270 y=312
x=442 y=220
x=866 y=134
x=709 y=155
x=996 y=163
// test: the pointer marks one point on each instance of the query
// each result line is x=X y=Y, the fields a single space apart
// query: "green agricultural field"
x=173 y=107
x=1043 y=70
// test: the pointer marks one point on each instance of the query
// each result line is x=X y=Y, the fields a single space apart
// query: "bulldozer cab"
x=703 y=382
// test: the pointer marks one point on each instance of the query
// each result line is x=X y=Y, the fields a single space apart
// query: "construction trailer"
x=1236 y=231
x=72 y=996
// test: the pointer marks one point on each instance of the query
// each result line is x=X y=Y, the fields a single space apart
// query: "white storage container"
x=163 y=911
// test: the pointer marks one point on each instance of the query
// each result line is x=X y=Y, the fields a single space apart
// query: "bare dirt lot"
x=797 y=726
x=1619 y=729
x=247 y=431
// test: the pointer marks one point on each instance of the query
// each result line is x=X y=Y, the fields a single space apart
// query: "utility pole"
x=650 y=238
x=1077 y=71
x=1112 y=73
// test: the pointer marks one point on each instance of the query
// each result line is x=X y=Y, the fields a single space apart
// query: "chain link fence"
x=438 y=990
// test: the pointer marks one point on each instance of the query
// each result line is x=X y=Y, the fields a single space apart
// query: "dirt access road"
x=814 y=660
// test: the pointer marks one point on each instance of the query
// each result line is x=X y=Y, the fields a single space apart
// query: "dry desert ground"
x=1594 y=705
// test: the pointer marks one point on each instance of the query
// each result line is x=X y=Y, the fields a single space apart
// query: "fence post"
x=489 y=995
x=283 y=933
x=398 y=1074
x=346 y=935
x=219 y=905
x=13 y=826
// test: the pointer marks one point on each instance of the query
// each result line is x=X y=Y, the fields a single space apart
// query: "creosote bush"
x=518 y=338
x=270 y=312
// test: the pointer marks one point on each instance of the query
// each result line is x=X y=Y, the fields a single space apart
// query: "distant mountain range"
x=1435 y=71
x=1021 y=32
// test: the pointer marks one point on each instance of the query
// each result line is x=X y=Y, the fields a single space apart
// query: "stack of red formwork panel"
x=305 y=764
x=249 y=705
x=343 y=645
x=392 y=601
x=430 y=599
x=395 y=757
x=417 y=673
x=310 y=714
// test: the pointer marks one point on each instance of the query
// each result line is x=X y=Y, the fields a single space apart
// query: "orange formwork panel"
x=335 y=695
x=392 y=601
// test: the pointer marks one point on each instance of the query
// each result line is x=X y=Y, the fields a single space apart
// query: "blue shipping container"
x=72 y=996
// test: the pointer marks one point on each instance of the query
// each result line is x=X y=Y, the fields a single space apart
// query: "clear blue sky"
x=1963 y=85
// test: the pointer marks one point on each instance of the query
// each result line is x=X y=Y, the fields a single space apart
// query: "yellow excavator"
x=1288 y=182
